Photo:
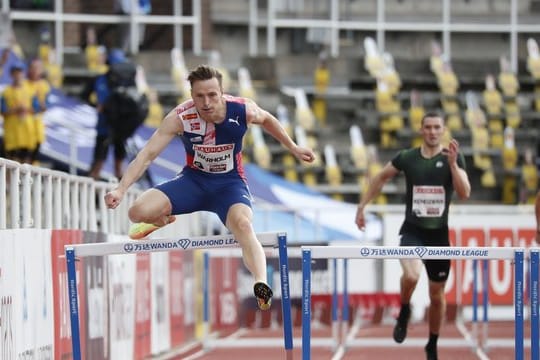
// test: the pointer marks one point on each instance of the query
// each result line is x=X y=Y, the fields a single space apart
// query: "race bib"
x=214 y=159
x=428 y=201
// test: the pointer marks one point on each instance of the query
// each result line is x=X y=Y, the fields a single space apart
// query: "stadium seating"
x=245 y=86
x=416 y=113
x=476 y=122
x=333 y=171
x=261 y=153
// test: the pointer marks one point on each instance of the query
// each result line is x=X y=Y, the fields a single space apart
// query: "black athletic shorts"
x=412 y=235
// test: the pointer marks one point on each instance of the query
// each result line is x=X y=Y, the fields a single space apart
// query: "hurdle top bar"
x=410 y=252
x=269 y=239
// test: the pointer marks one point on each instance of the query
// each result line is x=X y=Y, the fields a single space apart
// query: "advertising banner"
x=143 y=307
x=161 y=327
x=121 y=270
x=224 y=296
x=33 y=295
x=176 y=284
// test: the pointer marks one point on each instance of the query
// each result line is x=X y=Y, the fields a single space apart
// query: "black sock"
x=404 y=312
x=432 y=342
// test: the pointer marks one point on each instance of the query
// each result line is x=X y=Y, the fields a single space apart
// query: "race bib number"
x=215 y=159
x=428 y=201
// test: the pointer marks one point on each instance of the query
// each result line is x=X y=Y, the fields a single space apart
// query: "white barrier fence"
x=35 y=197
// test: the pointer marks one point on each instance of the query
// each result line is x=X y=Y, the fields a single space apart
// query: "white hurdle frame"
x=420 y=252
x=74 y=252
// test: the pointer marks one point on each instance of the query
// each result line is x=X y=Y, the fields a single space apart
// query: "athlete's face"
x=208 y=99
x=432 y=131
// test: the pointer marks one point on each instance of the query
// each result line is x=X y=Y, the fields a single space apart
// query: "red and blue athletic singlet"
x=214 y=148
x=213 y=178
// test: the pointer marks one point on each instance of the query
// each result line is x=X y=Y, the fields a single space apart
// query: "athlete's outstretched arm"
x=169 y=128
x=375 y=187
x=256 y=115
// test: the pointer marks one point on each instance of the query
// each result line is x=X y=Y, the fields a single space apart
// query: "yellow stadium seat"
x=261 y=153
x=155 y=110
x=309 y=178
x=373 y=169
x=450 y=105
x=453 y=122
x=262 y=156
x=416 y=113
x=509 y=84
x=385 y=102
x=493 y=102
x=529 y=176
x=509 y=158
x=334 y=178
x=289 y=168
x=448 y=82
x=509 y=185
x=509 y=154
x=513 y=115
x=359 y=157
x=245 y=86
x=533 y=59
x=436 y=60
x=374 y=65
x=303 y=113
x=496 y=140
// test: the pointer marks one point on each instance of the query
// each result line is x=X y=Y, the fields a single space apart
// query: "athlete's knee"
x=410 y=278
x=240 y=223
x=239 y=218
x=436 y=294
x=149 y=209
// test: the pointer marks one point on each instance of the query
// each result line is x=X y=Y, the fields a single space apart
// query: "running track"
x=369 y=342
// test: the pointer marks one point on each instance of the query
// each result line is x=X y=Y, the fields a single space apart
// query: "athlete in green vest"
x=432 y=174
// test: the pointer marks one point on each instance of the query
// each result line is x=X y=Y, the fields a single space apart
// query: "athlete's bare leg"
x=411 y=273
x=437 y=306
x=409 y=279
x=151 y=207
x=239 y=222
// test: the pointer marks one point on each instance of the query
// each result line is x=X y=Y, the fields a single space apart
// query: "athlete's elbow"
x=464 y=194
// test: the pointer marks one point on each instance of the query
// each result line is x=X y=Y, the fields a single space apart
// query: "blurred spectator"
x=41 y=90
x=123 y=7
x=17 y=105
x=119 y=112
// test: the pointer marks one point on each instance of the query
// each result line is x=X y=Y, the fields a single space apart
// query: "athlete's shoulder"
x=185 y=107
x=235 y=99
x=410 y=152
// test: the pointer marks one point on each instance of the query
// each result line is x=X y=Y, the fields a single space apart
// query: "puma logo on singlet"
x=234 y=121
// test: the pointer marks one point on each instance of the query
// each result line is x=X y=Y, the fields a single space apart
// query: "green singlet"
x=429 y=187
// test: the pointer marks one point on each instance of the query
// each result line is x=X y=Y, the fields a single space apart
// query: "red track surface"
x=376 y=343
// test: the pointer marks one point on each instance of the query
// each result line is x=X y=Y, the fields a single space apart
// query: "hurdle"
x=423 y=253
x=74 y=252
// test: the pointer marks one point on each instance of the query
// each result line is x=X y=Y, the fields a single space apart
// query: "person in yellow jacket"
x=40 y=86
x=17 y=105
